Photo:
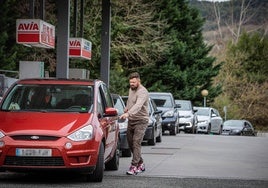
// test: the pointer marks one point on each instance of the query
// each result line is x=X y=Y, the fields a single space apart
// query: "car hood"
x=185 y=112
x=60 y=124
x=164 y=109
x=202 y=118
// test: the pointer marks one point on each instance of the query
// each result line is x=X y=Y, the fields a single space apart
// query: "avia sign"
x=79 y=48
x=35 y=32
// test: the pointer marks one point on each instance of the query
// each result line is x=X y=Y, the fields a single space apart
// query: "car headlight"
x=1 y=134
x=203 y=122
x=169 y=113
x=83 y=134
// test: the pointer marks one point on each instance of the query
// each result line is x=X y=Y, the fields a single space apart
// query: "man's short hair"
x=134 y=75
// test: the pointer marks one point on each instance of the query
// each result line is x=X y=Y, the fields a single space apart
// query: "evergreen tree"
x=9 y=51
x=186 y=68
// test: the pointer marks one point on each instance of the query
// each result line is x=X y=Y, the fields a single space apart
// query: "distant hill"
x=227 y=23
x=229 y=11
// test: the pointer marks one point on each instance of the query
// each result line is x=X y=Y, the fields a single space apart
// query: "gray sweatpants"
x=135 y=132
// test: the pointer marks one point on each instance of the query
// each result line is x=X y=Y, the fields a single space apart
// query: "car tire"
x=126 y=153
x=174 y=131
x=209 y=129
x=113 y=164
x=152 y=141
x=220 y=131
x=159 y=138
x=97 y=174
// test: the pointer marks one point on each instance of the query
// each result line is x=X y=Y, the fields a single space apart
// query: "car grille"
x=34 y=137
x=33 y=161
x=226 y=131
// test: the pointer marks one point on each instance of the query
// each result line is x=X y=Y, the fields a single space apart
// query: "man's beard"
x=133 y=88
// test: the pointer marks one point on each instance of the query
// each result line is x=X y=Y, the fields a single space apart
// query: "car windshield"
x=162 y=101
x=67 y=98
x=202 y=111
x=184 y=105
x=232 y=123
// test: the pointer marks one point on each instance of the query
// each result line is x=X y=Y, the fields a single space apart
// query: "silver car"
x=209 y=120
x=188 y=117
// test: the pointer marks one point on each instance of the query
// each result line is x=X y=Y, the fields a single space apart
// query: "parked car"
x=170 y=114
x=123 y=123
x=59 y=124
x=238 y=127
x=188 y=118
x=153 y=132
x=209 y=120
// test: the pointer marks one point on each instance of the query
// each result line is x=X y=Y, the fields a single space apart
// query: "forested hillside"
x=238 y=30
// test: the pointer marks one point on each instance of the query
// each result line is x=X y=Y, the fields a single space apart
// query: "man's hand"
x=124 y=116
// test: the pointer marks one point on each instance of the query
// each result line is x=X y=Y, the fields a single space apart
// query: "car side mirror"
x=109 y=111
x=158 y=112
x=195 y=110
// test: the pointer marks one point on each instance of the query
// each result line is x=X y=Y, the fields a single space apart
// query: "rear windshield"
x=49 y=98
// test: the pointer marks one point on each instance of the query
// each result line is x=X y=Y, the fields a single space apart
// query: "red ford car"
x=59 y=124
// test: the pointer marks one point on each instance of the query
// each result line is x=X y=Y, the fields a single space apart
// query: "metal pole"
x=82 y=19
x=42 y=10
x=105 y=41
x=75 y=18
x=204 y=101
x=63 y=7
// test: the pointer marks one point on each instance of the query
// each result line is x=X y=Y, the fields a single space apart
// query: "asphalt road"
x=184 y=160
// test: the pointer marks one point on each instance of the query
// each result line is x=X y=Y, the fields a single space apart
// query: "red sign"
x=35 y=32
x=80 y=47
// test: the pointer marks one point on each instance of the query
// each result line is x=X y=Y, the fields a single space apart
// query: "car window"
x=34 y=97
x=213 y=113
x=107 y=96
x=153 y=105
x=163 y=101
x=100 y=106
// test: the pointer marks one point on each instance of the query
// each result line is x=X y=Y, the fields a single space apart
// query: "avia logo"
x=75 y=43
x=34 y=137
x=28 y=26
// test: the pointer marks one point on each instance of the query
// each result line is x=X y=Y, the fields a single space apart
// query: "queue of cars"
x=73 y=125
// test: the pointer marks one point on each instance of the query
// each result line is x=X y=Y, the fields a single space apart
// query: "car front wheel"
x=97 y=175
x=113 y=164
x=152 y=141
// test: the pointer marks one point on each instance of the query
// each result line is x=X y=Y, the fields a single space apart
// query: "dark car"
x=188 y=118
x=238 y=127
x=123 y=123
x=153 y=132
x=170 y=114
x=59 y=124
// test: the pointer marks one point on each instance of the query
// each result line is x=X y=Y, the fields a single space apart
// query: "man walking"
x=138 y=116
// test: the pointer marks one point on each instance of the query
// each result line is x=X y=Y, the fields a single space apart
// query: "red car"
x=59 y=124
